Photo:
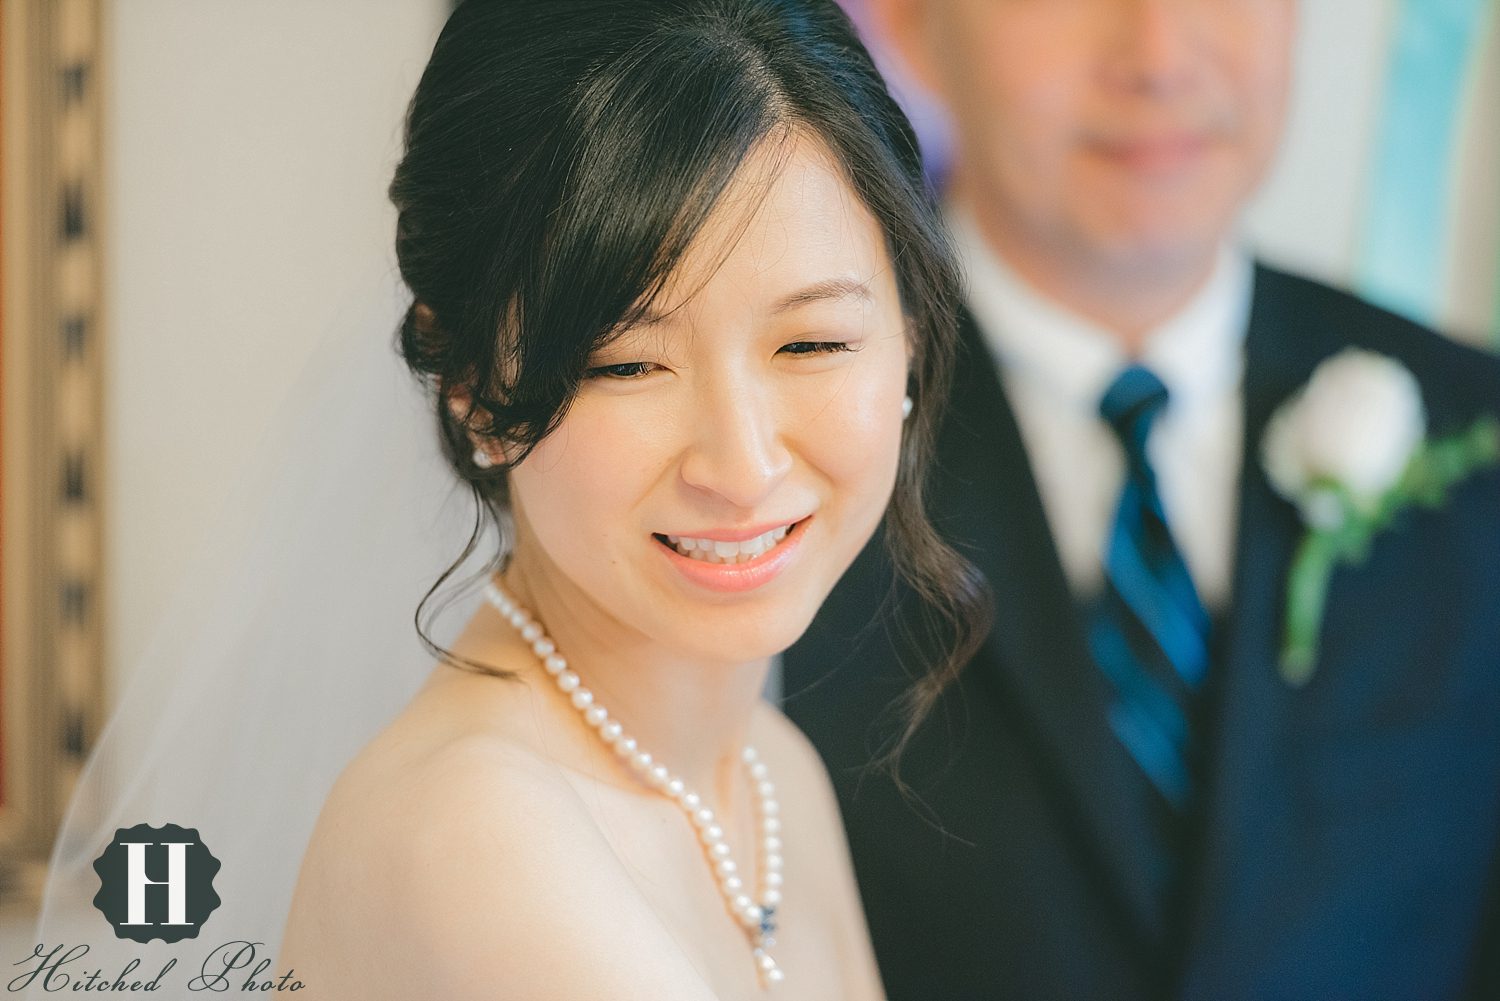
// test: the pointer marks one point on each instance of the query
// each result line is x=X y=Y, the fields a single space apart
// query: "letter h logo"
x=172 y=906
x=137 y=881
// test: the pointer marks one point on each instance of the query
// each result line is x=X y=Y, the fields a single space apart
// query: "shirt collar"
x=1197 y=352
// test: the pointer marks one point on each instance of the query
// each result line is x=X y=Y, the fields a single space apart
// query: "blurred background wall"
x=248 y=150
x=1389 y=179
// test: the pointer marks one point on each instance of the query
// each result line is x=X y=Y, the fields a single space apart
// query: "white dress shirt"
x=1056 y=366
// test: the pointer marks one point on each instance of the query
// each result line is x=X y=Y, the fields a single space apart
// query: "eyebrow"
x=829 y=288
x=826 y=290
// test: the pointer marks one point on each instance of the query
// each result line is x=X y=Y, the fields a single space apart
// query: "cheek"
x=853 y=440
x=1014 y=74
x=1266 y=102
x=1030 y=127
x=1041 y=80
x=1257 y=55
x=1027 y=119
x=581 y=482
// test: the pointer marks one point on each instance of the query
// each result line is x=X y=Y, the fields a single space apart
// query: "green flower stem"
x=1306 y=594
x=1435 y=467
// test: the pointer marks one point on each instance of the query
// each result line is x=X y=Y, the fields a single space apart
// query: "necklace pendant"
x=757 y=920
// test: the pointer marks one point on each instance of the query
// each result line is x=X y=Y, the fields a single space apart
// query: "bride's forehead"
x=788 y=218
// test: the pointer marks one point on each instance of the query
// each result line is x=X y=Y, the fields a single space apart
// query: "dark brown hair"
x=554 y=139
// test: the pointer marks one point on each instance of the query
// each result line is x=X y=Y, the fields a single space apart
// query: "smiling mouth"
x=729 y=553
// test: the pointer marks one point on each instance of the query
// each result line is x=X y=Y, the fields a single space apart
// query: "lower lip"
x=736 y=577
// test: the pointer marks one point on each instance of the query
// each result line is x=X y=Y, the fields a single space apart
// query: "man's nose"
x=736 y=449
x=1153 y=45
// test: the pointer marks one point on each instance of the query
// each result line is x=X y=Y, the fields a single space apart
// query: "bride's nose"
x=736 y=448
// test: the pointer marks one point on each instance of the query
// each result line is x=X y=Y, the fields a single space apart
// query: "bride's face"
x=726 y=460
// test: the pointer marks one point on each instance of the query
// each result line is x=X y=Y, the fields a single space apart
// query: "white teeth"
x=715 y=551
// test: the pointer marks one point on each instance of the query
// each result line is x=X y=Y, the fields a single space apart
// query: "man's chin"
x=1156 y=248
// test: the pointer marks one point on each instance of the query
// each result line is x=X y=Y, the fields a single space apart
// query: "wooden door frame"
x=51 y=406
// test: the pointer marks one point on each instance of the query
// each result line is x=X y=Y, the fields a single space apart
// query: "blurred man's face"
x=1124 y=132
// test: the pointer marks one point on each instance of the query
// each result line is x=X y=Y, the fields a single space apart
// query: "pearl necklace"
x=757 y=920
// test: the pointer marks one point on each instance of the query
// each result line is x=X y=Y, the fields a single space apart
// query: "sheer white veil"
x=285 y=649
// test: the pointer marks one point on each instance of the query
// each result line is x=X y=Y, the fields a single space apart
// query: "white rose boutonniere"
x=1350 y=450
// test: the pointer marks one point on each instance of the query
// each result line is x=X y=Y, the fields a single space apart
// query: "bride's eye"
x=817 y=347
x=623 y=370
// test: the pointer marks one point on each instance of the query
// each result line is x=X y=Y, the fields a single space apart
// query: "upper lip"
x=735 y=534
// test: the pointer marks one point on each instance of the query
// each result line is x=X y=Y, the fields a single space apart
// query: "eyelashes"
x=818 y=347
x=637 y=369
x=626 y=370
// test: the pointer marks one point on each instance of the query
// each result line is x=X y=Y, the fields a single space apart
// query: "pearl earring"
x=906 y=408
x=482 y=459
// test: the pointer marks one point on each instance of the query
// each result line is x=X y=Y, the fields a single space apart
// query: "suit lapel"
x=1247 y=702
x=987 y=501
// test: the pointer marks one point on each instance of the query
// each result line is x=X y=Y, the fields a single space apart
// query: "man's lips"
x=1153 y=154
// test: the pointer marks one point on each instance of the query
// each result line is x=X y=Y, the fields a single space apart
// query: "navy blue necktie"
x=1149 y=632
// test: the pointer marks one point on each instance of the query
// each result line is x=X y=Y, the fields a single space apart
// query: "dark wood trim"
x=51 y=461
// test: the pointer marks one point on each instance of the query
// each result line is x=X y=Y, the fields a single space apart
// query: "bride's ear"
x=460 y=402
x=487 y=452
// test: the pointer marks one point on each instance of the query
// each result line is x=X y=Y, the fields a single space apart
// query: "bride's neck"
x=691 y=715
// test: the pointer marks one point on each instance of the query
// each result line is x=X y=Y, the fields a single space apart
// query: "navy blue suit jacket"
x=1346 y=847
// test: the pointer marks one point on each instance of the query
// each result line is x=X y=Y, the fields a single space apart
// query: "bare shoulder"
x=471 y=870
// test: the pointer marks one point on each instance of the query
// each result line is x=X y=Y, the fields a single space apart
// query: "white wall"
x=249 y=148
x=1308 y=213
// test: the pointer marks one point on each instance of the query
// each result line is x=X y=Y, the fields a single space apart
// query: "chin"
x=740 y=634
x=1160 y=239
x=1167 y=224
